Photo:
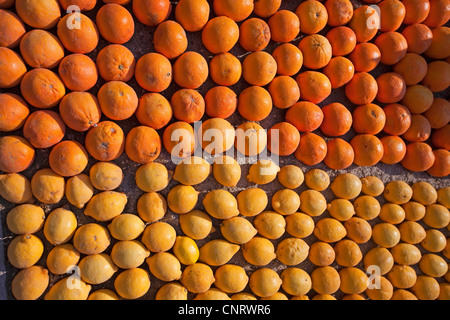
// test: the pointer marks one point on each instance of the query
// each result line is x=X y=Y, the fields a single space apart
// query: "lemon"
x=348 y=253
x=265 y=282
x=433 y=265
x=128 y=254
x=30 y=283
x=372 y=186
x=341 y=209
x=385 y=235
x=196 y=224
x=217 y=252
x=252 y=201
x=103 y=294
x=380 y=257
x=159 y=236
x=197 y=277
x=285 y=201
x=25 y=218
x=444 y=197
x=69 y=288
x=164 y=266
x=292 y=251
x=414 y=211
x=424 y=193
x=151 y=207
x=258 y=251
x=291 y=176
x=97 y=268
x=106 y=176
x=299 y=225
x=106 y=205
x=317 y=179
x=152 y=177
x=220 y=204
x=231 y=278
x=329 y=230
x=182 y=199
x=79 y=190
x=186 y=250
x=296 y=281
x=126 y=227
x=398 y=192
x=132 y=283
x=212 y=294
x=263 y=172
x=25 y=250
x=406 y=254
x=15 y=188
x=436 y=216
x=62 y=258
x=325 y=280
x=392 y=213
x=353 y=280
x=433 y=241
x=367 y=207
x=227 y=171
x=91 y=238
x=346 y=186
x=411 y=232
x=312 y=202
x=270 y=224
x=172 y=291
x=60 y=226
x=192 y=170
x=321 y=254
x=237 y=230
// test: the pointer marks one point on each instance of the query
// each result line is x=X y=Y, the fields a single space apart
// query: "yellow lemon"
x=30 y=283
x=291 y=176
x=252 y=201
x=196 y=224
x=164 y=266
x=25 y=218
x=25 y=250
x=15 y=188
x=152 y=177
x=237 y=230
x=106 y=205
x=186 y=250
x=126 y=227
x=60 y=226
x=217 y=252
x=79 y=190
x=106 y=176
x=132 y=283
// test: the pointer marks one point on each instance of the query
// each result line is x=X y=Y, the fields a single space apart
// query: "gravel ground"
x=141 y=44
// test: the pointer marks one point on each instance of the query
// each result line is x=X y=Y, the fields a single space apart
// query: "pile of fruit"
x=89 y=115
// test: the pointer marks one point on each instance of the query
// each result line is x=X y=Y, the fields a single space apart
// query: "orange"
x=43 y=14
x=369 y=119
x=143 y=144
x=365 y=23
x=439 y=13
x=237 y=10
x=284 y=26
x=440 y=44
x=41 y=49
x=188 y=105
x=437 y=77
x=84 y=5
x=289 y=59
x=365 y=57
x=190 y=70
x=316 y=50
x=14 y=111
x=362 y=89
x=441 y=165
x=439 y=113
x=419 y=157
x=340 y=154
x=305 y=116
x=6 y=4
x=311 y=150
x=179 y=135
x=254 y=103
x=12 y=28
x=220 y=102
x=225 y=69
x=337 y=120
x=80 y=111
x=398 y=119
x=170 y=39
x=266 y=8
x=44 y=128
x=342 y=40
x=12 y=68
x=153 y=72
x=259 y=68
x=105 y=142
x=394 y=149
x=117 y=100
x=441 y=137
x=391 y=87
x=413 y=68
x=339 y=71
x=416 y=11
x=16 y=154
x=154 y=110
x=116 y=62
x=392 y=13
x=419 y=130
x=340 y=12
x=153 y=12
x=192 y=14
x=115 y=23
x=78 y=72
x=392 y=45
x=419 y=37
x=68 y=158
x=82 y=39
x=42 y=88
x=314 y=86
x=220 y=34
x=367 y=148
x=284 y=91
x=288 y=139
x=313 y=16
x=254 y=34
x=418 y=98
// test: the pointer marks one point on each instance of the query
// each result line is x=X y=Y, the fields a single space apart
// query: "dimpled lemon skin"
x=312 y=202
x=265 y=282
x=182 y=199
x=106 y=176
x=398 y=192
x=106 y=205
x=296 y=281
x=126 y=227
x=291 y=176
x=346 y=186
x=60 y=226
x=221 y=204
x=97 y=268
x=252 y=201
x=299 y=225
x=151 y=206
x=164 y=266
x=186 y=250
x=25 y=250
x=285 y=201
x=292 y=251
x=263 y=172
x=197 y=277
x=258 y=251
x=128 y=254
x=231 y=278
x=217 y=252
x=270 y=224
x=132 y=283
x=62 y=258
x=25 y=218
x=372 y=186
x=329 y=230
x=91 y=238
x=30 y=283
x=385 y=235
x=317 y=179
x=152 y=177
x=227 y=171
x=172 y=291
x=325 y=280
x=196 y=224
x=69 y=288
x=47 y=186
x=353 y=280
x=237 y=230
x=79 y=190
x=159 y=236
